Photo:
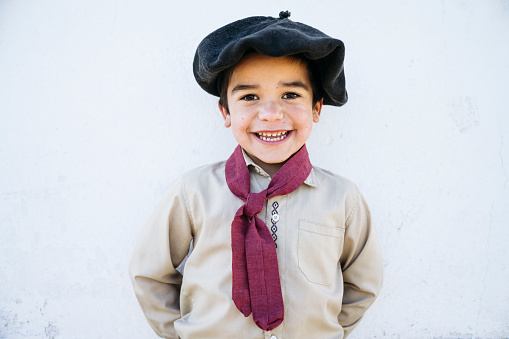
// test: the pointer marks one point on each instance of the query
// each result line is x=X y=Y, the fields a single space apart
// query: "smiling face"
x=271 y=109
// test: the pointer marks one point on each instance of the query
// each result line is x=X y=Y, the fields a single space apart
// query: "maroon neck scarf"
x=255 y=273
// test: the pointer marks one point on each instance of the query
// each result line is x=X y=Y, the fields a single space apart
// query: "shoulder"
x=331 y=180
x=215 y=169
x=338 y=188
x=200 y=182
x=207 y=177
x=198 y=176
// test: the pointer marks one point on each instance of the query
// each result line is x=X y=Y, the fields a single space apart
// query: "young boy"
x=280 y=249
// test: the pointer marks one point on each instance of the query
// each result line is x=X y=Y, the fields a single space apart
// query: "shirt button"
x=257 y=170
x=273 y=337
x=275 y=218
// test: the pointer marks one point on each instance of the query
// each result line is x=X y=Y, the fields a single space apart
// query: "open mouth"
x=272 y=136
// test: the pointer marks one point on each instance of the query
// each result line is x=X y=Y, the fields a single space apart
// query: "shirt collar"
x=310 y=180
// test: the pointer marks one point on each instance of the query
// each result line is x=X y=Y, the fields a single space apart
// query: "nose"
x=270 y=111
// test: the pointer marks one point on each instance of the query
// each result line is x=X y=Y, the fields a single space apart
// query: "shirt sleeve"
x=163 y=244
x=361 y=262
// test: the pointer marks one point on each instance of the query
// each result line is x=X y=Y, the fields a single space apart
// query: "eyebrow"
x=298 y=83
x=241 y=87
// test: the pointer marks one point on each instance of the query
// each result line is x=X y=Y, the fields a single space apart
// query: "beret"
x=274 y=37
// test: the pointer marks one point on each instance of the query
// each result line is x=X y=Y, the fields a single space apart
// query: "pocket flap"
x=308 y=226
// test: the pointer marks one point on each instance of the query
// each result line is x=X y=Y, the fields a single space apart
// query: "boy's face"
x=271 y=108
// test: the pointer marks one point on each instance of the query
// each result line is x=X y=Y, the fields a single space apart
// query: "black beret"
x=274 y=37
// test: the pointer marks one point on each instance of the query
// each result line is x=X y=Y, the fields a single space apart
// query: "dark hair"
x=314 y=78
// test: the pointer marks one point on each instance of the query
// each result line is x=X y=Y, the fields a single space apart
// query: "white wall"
x=99 y=111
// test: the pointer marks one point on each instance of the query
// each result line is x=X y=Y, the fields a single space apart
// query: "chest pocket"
x=318 y=251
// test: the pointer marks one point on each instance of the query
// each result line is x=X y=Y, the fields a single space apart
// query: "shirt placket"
x=275 y=212
x=272 y=335
x=274 y=218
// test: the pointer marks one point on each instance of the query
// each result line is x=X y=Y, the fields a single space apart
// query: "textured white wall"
x=99 y=111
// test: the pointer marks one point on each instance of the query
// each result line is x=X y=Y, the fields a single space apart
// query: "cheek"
x=241 y=118
x=306 y=126
x=239 y=126
x=305 y=120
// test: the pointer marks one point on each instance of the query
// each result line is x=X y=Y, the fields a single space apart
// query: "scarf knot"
x=254 y=203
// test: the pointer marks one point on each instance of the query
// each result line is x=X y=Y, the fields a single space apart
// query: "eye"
x=290 y=96
x=249 y=97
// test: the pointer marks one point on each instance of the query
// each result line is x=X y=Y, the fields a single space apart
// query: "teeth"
x=272 y=136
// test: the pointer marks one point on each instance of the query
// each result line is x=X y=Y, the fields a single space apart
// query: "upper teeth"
x=273 y=134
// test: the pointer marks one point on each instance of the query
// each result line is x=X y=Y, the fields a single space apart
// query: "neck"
x=271 y=169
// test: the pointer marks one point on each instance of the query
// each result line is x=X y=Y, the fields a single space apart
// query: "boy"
x=300 y=258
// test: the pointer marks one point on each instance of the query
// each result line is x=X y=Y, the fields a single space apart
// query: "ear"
x=317 y=109
x=226 y=116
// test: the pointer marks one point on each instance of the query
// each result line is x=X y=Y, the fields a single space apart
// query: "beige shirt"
x=329 y=258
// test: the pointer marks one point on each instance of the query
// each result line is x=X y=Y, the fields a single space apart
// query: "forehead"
x=258 y=67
